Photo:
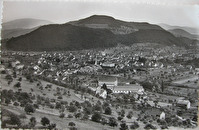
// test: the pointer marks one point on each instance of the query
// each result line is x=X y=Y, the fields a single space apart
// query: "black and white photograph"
x=99 y=64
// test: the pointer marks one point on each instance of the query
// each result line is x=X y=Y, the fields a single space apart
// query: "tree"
x=7 y=101
x=112 y=122
x=105 y=105
x=104 y=121
x=45 y=121
x=16 y=104
x=108 y=111
x=104 y=86
x=62 y=115
x=119 y=118
x=135 y=125
x=20 y=79
x=29 y=109
x=72 y=108
x=129 y=114
x=85 y=117
x=32 y=122
x=78 y=115
x=9 y=77
x=17 y=85
x=149 y=126
x=14 y=120
x=52 y=126
x=96 y=117
x=97 y=107
x=71 y=124
x=58 y=105
x=87 y=110
x=14 y=74
x=123 y=126
x=122 y=113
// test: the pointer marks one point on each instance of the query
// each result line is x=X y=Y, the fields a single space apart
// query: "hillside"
x=19 y=27
x=62 y=37
x=112 y=24
x=153 y=36
x=187 y=29
x=26 y=23
x=15 y=32
x=92 y=32
x=182 y=33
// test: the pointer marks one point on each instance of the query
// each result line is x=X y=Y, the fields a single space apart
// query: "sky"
x=172 y=12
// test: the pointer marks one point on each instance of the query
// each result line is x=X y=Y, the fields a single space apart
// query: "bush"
x=85 y=117
x=108 y=111
x=36 y=106
x=9 y=77
x=59 y=97
x=78 y=115
x=16 y=104
x=96 y=117
x=104 y=121
x=17 y=85
x=164 y=127
x=62 y=115
x=52 y=126
x=112 y=122
x=20 y=79
x=149 y=126
x=58 y=105
x=70 y=116
x=7 y=101
x=135 y=125
x=32 y=122
x=29 y=109
x=72 y=108
x=130 y=114
x=119 y=118
x=71 y=124
x=3 y=72
x=45 y=121
x=14 y=120
x=122 y=112
x=123 y=126
x=97 y=107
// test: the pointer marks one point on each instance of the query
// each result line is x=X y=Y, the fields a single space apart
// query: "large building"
x=113 y=84
x=130 y=88
x=109 y=81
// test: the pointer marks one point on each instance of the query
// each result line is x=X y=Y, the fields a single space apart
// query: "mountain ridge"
x=107 y=32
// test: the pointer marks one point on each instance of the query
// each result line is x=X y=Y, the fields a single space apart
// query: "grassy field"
x=51 y=114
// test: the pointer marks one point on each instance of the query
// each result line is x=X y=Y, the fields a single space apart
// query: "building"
x=183 y=104
x=102 y=93
x=129 y=88
x=113 y=84
x=109 y=81
x=108 y=65
x=162 y=116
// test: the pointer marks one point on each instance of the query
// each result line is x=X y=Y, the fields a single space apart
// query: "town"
x=142 y=86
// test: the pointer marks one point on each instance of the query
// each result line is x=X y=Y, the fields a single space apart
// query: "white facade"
x=162 y=116
x=129 y=89
x=185 y=103
x=108 y=83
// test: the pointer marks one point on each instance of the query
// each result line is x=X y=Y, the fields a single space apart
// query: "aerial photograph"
x=99 y=65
